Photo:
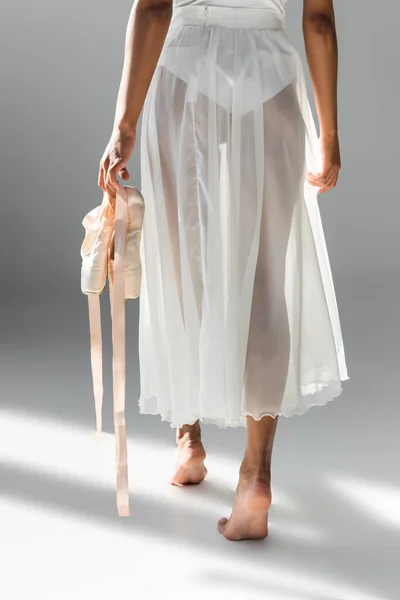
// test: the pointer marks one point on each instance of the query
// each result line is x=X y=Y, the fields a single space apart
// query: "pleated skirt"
x=238 y=313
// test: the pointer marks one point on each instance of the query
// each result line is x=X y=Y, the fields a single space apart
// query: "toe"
x=172 y=482
x=221 y=524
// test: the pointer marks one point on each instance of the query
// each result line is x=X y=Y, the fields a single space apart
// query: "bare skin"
x=146 y=31
x=190 y=468
x=253 y=496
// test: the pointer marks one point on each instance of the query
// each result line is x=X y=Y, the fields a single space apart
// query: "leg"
x=191 y=454
x=190 y=466
x=268 y=347
x=249 y=518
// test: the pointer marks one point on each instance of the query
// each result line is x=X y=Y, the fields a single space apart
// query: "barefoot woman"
x=238 y=316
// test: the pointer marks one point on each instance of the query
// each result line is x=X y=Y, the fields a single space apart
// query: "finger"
x=328 y=186
x=315 y=176
x=107 y=186
x=124 y=173
x=325 y=178
x=321 y=179
x=112 y=177
x=102 y=173
x=331 y=180
x=314 y=180
x=101 y=180
x=111 y=191
x=107 y=183
x=324 y=185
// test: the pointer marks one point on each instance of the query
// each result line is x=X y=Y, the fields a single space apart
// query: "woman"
x=238 y=315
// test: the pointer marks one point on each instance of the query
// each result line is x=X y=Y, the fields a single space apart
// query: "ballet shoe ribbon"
x=117 y=301
x=116 y=278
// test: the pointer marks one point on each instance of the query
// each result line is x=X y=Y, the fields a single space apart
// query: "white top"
x=276 y=4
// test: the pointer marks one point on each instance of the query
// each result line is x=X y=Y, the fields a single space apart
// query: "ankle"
x=256 y=468
x=193 y=431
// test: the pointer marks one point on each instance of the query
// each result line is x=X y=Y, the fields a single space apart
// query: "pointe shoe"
x=133 y=266
x=99 y=226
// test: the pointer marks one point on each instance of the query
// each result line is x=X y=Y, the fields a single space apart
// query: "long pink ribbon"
x=116 y=272
x=96 y=357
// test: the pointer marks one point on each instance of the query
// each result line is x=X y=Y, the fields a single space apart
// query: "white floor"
x=335 y=519
x=61 y=537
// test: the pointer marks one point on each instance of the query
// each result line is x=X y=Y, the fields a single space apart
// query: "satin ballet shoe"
x=134 y=225
x=99 y=226
x=133 y=265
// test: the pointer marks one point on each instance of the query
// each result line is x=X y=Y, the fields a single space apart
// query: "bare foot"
x=190 y=468
x=249 y=518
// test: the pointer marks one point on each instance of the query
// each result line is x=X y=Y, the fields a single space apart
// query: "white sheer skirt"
x=238 y=314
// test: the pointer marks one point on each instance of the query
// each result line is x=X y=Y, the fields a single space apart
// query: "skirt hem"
x=209 y=421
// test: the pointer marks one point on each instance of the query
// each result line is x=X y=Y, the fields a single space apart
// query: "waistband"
x=226 y=16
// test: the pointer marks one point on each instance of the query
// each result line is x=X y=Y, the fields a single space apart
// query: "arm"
x=322 y=56
x=147 y=28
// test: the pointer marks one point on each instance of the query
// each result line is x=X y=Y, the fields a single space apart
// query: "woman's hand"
x=115 y=159
x=331 y=165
